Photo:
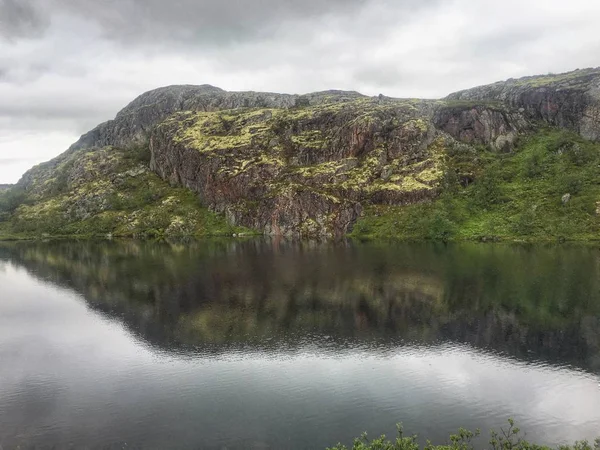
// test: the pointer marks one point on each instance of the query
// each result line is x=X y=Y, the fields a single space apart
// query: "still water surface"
x=275 y=345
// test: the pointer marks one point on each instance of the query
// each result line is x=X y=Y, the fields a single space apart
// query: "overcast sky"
x=67 y=65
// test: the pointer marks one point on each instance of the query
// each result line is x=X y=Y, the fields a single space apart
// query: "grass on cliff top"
x=516 y=196
x=575 y=78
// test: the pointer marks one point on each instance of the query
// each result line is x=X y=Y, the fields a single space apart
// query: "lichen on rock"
x=302 y=168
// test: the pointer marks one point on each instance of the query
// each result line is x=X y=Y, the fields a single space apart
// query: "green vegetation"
x=521 y=195
x=10 y=200
x=547 y=189
x=507 y=439
x=105 y=192
x=320 y=163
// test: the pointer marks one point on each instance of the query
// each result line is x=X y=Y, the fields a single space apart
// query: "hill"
x=517 y=159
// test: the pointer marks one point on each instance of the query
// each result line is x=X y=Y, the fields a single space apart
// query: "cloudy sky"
x=67 y=65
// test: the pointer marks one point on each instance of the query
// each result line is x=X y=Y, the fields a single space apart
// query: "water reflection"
x=293 y=345
x=528 y=302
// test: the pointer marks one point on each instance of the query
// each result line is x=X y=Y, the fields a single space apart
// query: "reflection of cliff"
x=540 y=302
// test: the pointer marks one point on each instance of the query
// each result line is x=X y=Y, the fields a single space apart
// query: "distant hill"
x=516 y=159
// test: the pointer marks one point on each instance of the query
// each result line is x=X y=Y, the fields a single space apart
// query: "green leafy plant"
x=506 y=439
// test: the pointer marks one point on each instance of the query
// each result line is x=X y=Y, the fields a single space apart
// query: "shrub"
x=506 y=439
x=439 y=226
x=487 y=190
x=533 y=165
x=139 y=153
x=569 y=183
x=579 y=154
x=301 y=102
x=11 y=199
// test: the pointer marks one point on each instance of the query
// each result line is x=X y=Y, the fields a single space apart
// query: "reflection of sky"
x=67 y=372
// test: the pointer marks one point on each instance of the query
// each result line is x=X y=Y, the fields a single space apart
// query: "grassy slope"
x=514 y=196
x=124 y=200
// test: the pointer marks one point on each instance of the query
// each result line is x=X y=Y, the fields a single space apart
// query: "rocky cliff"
x=303 y=170
x=296 y=165
x=569 y=100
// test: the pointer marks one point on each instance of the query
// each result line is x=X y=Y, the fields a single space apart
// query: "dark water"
x=262 y=345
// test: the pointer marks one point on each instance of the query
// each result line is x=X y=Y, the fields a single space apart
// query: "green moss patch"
x=548 y=189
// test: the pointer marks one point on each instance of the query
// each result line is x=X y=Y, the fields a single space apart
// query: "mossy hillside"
x=375 y=174
x=349 y=148
x=107 y=191
x=522 y=195
x=568 y=100
x=282 y=165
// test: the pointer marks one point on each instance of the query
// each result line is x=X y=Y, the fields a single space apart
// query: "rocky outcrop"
x=134 y=122
x=479 y=124
x=302 y=171
x=570 y=100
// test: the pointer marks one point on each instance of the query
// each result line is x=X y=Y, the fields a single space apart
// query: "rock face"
x=494 y=126
x=307 y=165
x=302 y=171
x=570 y=100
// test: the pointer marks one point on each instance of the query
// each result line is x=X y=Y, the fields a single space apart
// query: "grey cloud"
x=200 y=23
x=501 y=43
x=75 y=120
x=260 y=30
x=195 y=21
x=81 y=108
x=386 y=75
x=11 y=161
x=23 y=71
x=21 y=18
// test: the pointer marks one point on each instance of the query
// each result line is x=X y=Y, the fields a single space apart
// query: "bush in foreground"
x=506 y=439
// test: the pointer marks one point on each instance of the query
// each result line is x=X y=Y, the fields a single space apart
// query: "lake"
x=267 y=344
